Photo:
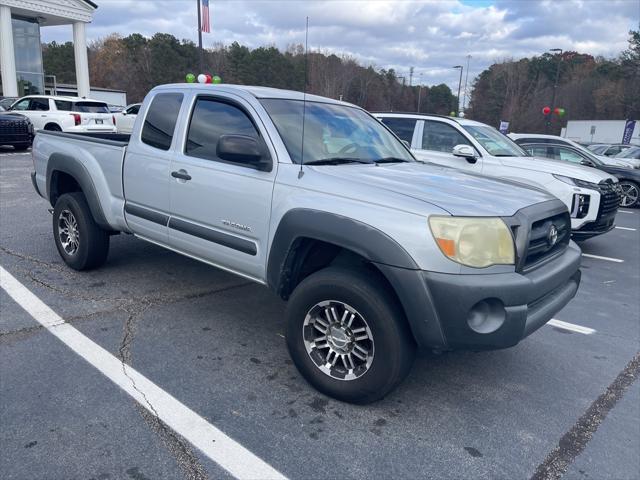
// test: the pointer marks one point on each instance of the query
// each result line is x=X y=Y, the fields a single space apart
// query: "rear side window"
x=90 y=107
x=440 y=137
x=39 y=104
x=63 y=105
x=210 y=120
x=402 y=127
x=160 y=122
x=133 y=110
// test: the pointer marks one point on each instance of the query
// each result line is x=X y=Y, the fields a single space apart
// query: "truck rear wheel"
x=347 y=335
x=82 y=244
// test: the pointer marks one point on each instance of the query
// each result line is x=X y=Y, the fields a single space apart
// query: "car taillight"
x=76 y=118
x=113 y=119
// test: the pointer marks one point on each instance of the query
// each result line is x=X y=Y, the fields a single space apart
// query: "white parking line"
x=220 y=448
x=598 y=257
x=570 y=326
x=626 y=211
x=626 y=228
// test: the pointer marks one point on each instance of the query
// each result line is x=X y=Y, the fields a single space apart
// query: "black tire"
x=21 y=147
x=393 y=346
x=93 y=242
x=52 y=127
x=631 y=189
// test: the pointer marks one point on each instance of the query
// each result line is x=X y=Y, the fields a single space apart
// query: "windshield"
x=91 y=107
x=333 y=132
x=633 y=152
x=494 y=142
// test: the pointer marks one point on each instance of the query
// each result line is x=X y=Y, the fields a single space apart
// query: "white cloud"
x=431 y=36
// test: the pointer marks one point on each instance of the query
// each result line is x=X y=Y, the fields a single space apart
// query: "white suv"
x=66 y=114
x=126 y=118
x=590 y=195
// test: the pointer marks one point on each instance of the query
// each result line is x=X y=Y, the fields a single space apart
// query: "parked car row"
x=591 y=196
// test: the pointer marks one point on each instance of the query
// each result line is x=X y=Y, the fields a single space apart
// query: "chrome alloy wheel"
x=628 y=194
x=338 y=340
x=68 y=232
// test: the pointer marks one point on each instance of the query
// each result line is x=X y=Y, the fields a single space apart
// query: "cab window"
x=22 y=105
x=160 y=122
x=210 y=120
x=440 y=137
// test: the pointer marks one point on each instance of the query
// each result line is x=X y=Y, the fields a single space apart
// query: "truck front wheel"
x=348 y=336
x=82 y=244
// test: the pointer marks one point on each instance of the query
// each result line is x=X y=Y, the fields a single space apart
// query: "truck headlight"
x=475 y=242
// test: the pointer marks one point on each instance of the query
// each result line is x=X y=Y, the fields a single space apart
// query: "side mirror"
x=465 y=151
x=123 y=112
x=587 y=163
x=244 y=150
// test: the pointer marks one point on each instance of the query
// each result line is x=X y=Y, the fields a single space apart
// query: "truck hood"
x=457 y=192
x=557 y=167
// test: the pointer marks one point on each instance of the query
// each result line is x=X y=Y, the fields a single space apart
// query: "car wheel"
x=630 y=194
x=21 y=147
x=52 y=127
x=348 y=336
x=82 y=244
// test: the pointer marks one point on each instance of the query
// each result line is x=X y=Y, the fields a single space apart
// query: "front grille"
x=542 y=243
x=609 y=202
x=14 y=127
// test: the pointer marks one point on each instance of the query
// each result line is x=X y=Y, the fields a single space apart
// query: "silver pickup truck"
x=376 y=253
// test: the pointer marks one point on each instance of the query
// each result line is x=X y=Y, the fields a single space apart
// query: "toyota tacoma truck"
x=377 y=253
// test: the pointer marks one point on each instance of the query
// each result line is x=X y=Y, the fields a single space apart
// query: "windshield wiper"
x=336 y=161
x=391 y=160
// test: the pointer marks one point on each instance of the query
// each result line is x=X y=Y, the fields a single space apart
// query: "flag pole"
x=200 y=38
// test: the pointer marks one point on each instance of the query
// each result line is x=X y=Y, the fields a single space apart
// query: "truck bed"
x=96 y=157
x=115 y=139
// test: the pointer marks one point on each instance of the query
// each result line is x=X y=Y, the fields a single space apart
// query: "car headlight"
x=576 y=181
x=475 y=242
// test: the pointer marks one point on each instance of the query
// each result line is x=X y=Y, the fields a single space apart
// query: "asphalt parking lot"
x=211 y=347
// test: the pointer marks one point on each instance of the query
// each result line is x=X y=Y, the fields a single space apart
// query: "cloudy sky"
x=430 y=35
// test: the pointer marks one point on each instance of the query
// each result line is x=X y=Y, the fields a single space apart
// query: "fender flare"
x=71 y=166
x=365 y=240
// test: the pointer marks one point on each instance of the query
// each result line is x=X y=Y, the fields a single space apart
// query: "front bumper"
x=485 y=311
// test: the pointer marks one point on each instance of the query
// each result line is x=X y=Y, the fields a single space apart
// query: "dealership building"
x=21 y=65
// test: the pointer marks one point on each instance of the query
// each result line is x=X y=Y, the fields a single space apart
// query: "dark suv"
x=15 y=130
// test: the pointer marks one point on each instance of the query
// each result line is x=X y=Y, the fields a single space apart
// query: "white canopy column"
x=7 y=56
x=82 y=62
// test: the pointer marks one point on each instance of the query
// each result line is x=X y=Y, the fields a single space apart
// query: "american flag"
x=206 y=25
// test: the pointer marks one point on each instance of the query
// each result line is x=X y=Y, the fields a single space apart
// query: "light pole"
x=419 y=91
x=457 y=110
x=466 y=78
x=547 y=125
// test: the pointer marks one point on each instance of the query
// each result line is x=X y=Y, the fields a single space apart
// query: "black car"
x=15 y=130
x=629 y=177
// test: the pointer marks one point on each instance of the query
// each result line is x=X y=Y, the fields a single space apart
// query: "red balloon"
x=208 y=78
x=546 y=110
x=556 y=110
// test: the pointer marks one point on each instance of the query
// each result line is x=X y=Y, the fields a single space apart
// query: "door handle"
x=181 y=174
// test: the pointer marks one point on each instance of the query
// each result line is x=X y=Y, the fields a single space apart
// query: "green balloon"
x=452 y=114
x=561 y=112
x=191 y=78
x=216 y=79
